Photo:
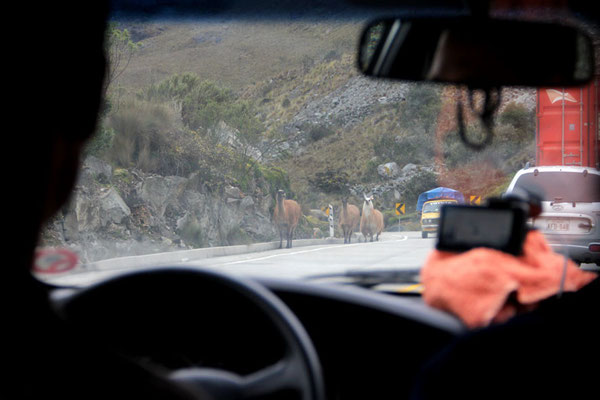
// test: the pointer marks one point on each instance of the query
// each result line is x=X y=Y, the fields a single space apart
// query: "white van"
x=570 y=208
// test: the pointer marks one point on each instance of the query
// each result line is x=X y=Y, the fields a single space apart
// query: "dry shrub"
x=478 y=178
x=151 y=137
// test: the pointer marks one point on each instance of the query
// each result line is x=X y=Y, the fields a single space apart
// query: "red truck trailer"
x=567 y=126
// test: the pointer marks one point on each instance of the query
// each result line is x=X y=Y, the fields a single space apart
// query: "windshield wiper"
x=370 y=278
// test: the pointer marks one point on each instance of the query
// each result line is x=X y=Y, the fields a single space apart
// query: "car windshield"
x=561 y=186
x=433 y=207
x=215 y=133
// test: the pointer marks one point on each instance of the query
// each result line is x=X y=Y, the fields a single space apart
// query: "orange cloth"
x=484 y=286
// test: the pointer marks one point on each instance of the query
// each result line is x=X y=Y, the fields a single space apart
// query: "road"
x=400 y=250
x=394 y=250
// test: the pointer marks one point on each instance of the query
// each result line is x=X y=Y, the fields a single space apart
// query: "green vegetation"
x=333 y=182
x=119 y=51
x=512 y=144
x=411 y=141
x=205 y=103
x=150 y=137
x=415 y=186
x=173 y=128
x=275 y=177
x=122 y=175
x=309 y=227
x=318 y=132
x=184 y=124
x=100 y=142
x=192 y=233
x=238 y=236
x=195 y=115
x=501 y=187
x=416 y=148
x=419 y=112
x=520 y=119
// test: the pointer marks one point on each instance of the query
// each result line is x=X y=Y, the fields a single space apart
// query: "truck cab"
x=430 y=216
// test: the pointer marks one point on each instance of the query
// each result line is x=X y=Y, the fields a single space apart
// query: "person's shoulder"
x=539 y=353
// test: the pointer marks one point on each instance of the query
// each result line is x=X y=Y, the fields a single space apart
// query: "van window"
x=435 y=206
x=563 y=186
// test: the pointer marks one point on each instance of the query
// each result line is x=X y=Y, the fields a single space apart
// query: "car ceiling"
x=286 y=8
x=363 y=9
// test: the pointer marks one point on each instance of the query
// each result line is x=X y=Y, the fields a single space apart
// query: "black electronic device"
x=501 y=224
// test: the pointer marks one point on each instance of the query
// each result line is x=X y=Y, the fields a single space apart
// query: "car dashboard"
x=370 y=344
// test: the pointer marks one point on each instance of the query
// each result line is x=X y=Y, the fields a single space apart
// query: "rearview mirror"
x=480 y=53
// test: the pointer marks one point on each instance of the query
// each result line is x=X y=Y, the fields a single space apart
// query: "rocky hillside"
x=209 y=120
x=128 y=212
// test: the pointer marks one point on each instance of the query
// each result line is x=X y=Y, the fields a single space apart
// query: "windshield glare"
x=429 y=207
x=434 y=207
x=560 y=186
x=211 y=128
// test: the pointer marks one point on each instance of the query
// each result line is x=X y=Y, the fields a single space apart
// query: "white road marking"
x=310 y=251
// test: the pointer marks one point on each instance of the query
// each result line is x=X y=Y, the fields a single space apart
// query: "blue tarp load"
x=439 y=193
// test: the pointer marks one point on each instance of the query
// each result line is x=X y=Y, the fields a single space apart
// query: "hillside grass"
x=349 y=151
x=280 y=98
x=275 y=70
x=235 y=53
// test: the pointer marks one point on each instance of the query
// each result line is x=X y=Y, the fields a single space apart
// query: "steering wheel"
x=298 y=370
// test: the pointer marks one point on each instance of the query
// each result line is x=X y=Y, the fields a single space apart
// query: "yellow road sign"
x=475 y=200
x=325 y=210
x=400 y=208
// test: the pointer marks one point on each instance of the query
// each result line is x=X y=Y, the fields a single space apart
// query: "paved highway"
x=399 y=250
x=394 y=250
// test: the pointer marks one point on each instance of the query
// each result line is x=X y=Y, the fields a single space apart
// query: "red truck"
x=567 y=126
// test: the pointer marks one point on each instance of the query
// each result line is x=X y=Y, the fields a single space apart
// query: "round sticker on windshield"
x=54 y=261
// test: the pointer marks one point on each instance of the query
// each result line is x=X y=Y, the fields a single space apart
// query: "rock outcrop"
x=127 y=212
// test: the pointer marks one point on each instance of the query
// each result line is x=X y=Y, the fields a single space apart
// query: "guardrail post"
x=330 y=217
